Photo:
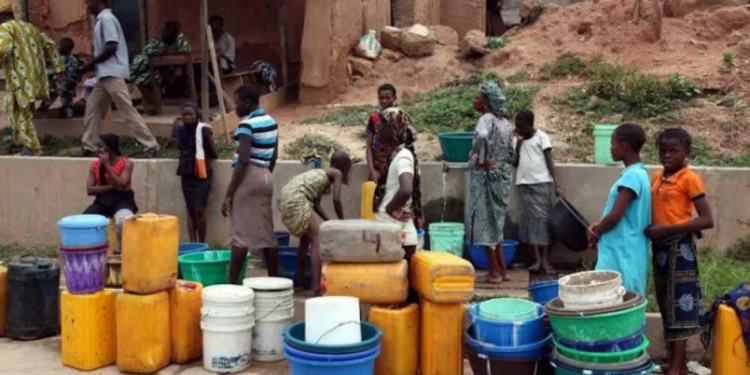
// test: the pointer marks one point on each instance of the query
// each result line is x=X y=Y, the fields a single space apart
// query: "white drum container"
x=227 y=320
x=332 y=321
x=274 y=311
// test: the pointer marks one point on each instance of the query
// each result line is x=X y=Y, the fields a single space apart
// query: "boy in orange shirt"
x=676 y=190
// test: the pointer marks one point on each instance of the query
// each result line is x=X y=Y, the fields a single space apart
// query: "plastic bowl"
x=299 y=366
x=622 y=366
x=294 y=336
x=507 y=334
x=208 y=267
x=508 y=310
x=456 y=146
x=591 y=357
x=563 y=369
x=289 y=350
x=484 y=365
x=545 y=291
x=556 y=306
x=536 y=350
x=599 y=327
x=478 y=254
x=620 y=345
x=191 y=247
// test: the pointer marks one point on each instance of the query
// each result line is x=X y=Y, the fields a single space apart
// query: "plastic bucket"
x=190 y=247
x=508 y=310
x=593 y=302
x=282 y=237
x=420 y=239
x=208 y=267
x=535 y=350
x=601 y=326
x=274 y=310
x=83 y=231
x=619 y=345
x=322 y=357
x=288 y=264
x=227 y=343
x=85 y=269
x=478 y=254
x=544 y=291
x=362 y=366
x=294 y=336
x=456 y=146
x=603 y=143
x=332 y=321
x=447 y=237
x=507 y=334
x=610 y=357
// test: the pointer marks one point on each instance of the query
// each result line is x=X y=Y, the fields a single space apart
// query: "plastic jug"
x=442 y=277
x=142 y=332
x=33 y=299
x=185 y=321
x=89 y=335
x=360 y=241
x=441 y=342
x=149 y=253
x=366 y=202
x=377 y=283
x=728 y=351
x=399 y=347
x=3 y=299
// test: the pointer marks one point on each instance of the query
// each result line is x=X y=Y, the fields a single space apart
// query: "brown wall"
x=63 y=18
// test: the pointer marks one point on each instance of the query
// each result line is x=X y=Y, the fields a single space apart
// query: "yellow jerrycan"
x=149 y=253
x=368 y=195
x=88 y=335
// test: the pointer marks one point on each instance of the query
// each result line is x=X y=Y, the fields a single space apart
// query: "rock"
x=495 y=58
x=361 y=67
x=417 y=42
x=584 y=28
x=391 y=55
x=474 y=44
x=445 y=35
x=390 y=38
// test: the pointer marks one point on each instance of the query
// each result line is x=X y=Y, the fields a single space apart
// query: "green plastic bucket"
x=595 y=357
x=508 y=310
x=208 y=267
x=456 y=146
x=447 y=238
x=600 y=327
x=602 y=144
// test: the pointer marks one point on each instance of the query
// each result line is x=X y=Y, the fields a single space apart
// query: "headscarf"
x=495 y=97
x=6 y=7
x=403 y=134
x=196 y=108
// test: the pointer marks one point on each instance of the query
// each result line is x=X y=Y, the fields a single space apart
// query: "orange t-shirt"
x=672 y=198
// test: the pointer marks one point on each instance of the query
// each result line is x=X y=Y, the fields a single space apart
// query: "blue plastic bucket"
x=361 y=366
x=447 y=238
x=478 y=254
x=534 y=350
x=282 y=237
x=420 y=239
x=83 y=231
x=288 y=264
x=301 y=354
x=507 y=334
x=544 y=291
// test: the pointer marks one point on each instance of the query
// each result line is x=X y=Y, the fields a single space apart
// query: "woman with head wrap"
x=490 y=177
x=110 y=182
x=398 y=195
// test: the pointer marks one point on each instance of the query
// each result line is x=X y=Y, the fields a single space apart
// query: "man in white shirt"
x=225 y=46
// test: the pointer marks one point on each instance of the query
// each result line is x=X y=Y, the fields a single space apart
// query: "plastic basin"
x=507 y=334
x=208 y=267
x=545 y=291
x=478 y=254
x=637 y=363
x=187 y=248
x=282 y=237
x=456 y=146
x=600 y=327
x=299 y=366
x=568 y=226
x=563 y=369
x=294 y=336
x=447 y=237
x=288 y=264
x=301 y=354
x=620 y=345
x=557 y=308
x=508 y=310
x=593 y=357
x=590 y=284
x=484 y=365
x=536 y=350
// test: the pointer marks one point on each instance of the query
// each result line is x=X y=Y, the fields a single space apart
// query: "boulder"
x=359 y=66
x=417 y=41
x=474 y=44
x=445 y=35
x=390 y=38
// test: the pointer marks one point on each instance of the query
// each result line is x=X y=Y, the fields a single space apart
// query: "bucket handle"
x=278 y=304
x=335 y=328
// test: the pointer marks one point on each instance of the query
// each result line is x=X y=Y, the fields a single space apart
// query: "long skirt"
x=251 y=216
x=536 y=205
x=678 y=291
x=489 y=201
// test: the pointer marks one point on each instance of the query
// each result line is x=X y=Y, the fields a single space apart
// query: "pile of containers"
x=332 y=340
x=274 y=310
x=598 y=328
x=507 y=333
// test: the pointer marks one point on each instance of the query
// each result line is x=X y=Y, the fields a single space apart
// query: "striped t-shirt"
x=264 y=132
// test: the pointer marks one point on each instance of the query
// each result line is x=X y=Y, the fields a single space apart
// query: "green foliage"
x=519 y=77
x=309 y=145
x=347 y=116
x=11 y=252
x=729 y=58
x=495 y=42
x=565 y=66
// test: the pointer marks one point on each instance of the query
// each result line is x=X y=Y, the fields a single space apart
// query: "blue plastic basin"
x=288 y=264
x=294 y=336
x=535 y=350
x=362 y=366
x=545 y=291
x=192 y=247
x=478 y=254
x=301 y=354
x=507 y=334
x=83 y=231
x=561 y=368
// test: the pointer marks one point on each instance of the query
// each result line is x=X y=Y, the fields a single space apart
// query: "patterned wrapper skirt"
x=678 y=291
x=536 y=205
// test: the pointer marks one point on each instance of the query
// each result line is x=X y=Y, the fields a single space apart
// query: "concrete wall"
x=36 y=192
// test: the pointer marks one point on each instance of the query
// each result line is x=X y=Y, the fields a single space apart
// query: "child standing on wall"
x=620 y=236
x=378 y=152
x=676 y=191
x=535 y=178
x=300 y=198
x=65 y=89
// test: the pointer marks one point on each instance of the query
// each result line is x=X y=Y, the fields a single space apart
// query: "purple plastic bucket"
x=85 y=269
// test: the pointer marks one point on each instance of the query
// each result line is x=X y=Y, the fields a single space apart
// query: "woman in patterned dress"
x=490 y=174
x=300 y=197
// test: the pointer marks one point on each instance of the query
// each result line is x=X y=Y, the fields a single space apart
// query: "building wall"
x=36 y=192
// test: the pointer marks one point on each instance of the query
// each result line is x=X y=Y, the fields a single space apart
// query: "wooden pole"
x=143 y=12
x=282 y=41
x=204 y=59
x=217 y=82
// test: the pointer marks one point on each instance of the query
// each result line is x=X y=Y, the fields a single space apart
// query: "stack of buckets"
x=274 y=311
x=507 y=336
x=332 y=340
x=227 y=321
x=598 y=328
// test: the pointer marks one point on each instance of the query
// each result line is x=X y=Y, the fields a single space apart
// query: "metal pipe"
x=453 y=166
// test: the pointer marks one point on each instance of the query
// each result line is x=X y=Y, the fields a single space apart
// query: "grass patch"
x=446 y=109
x=565 y=66
x=310 y=145
x=728 y=58
x=495 y=42
x=702 y=154
x=10 y=252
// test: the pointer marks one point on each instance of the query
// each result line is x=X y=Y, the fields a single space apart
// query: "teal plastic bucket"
x=447 y=237
x=456 y=146
x=602 y=144
x=508 y=310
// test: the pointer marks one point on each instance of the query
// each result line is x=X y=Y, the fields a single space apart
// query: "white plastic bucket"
x=591 y=302
x=274 y=311
x=590 y=284
x=227 y=320
x=332 y=321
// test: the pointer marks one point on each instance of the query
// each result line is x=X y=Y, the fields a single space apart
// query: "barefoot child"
x=300 y=197
x=535 y=179
x=378 y=152
x=620 y=235
x=676 y=191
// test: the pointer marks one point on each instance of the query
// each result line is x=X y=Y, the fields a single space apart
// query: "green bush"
x=565 y=65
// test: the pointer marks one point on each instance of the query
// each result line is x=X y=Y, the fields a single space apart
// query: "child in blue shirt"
x=619 y=237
